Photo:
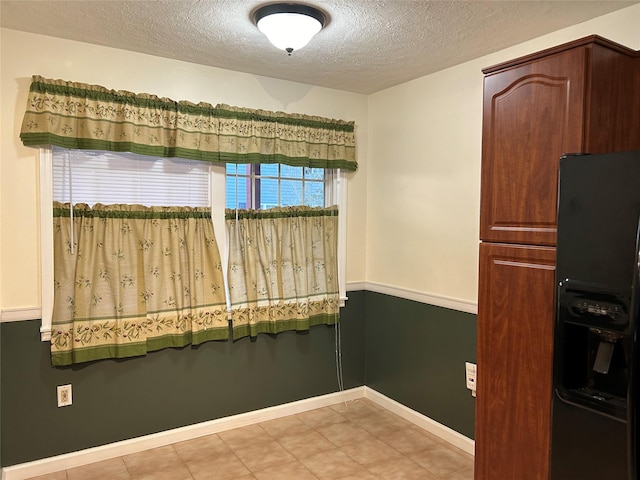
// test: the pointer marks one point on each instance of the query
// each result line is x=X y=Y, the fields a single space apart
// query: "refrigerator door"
x=594 y=420
x=633 y=422
x=586 y=445
x=598 y=207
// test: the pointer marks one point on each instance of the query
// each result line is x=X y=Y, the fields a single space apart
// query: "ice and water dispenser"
x=593 y=347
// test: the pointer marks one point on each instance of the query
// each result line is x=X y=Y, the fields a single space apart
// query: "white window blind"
x=85 y=176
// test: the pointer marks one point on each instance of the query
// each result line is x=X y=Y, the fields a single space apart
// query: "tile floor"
x=356 y=441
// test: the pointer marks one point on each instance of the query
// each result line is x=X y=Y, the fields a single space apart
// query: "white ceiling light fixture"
x=289 y=26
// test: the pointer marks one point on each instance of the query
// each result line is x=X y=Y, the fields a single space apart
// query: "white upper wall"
x=23 y=55
x=423 y=172
x=413 y=204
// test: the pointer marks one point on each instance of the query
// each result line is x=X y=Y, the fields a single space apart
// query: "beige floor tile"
x=321 y=417
x=306 y=444
x=288 y=471
x=465 y=474
x=285 y=426
x=356 y=408
x=62 y=475
x=200 y=448
x=409 y=440
x=401 y=469
x=332 y=464
x=174 y=473
x=112 y=469
x=244 y=436
x=223 y=466
x=360 y=476
x=370 y=452
x=358 y=440
x=381 y=423
x=157 y=464
x=343 y=433
x=259 y=456
x=442 y=460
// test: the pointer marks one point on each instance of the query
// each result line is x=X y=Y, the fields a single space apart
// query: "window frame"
x=45 y=179
x=335 y=194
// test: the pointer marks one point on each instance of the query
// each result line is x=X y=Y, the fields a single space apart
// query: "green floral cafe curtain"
x=80 y=116
x=282 y=269
x=130 y=279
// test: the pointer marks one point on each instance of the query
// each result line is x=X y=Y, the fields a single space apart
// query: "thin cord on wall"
x=338 y=337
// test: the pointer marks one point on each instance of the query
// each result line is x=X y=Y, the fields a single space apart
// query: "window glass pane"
x=244 y=193
x=291 y=172
x=268 y=193
x=231 y=196
x=268 y=169
x=240 y=169
x=236 y=194
x=314 y=194
x=291 y=193
x=314 y=173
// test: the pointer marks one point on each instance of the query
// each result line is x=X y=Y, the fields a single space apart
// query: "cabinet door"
x=515 y=345
x=532 y=114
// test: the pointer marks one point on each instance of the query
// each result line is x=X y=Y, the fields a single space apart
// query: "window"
x=121 y=120
x=136 y=262
x=264 y=186
x=119 y=178
x=113 y=177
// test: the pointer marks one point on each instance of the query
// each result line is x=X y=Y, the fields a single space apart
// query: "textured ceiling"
x=368 y=45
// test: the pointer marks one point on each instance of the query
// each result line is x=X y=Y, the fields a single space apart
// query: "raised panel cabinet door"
x=532 y=114
x=514 y=361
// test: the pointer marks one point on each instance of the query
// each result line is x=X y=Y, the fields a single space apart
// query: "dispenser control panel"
x=598 y=308
x=589 y=305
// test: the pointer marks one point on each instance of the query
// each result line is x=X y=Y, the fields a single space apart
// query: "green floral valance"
x=81 y=116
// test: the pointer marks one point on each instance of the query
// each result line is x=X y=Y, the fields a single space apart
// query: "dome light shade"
x=288 y=26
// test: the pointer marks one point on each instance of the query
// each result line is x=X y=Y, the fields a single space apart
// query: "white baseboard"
x=104 y=452
x=439 y=430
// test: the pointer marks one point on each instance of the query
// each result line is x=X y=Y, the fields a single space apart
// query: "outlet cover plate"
x=470 y=369
x=64 y=395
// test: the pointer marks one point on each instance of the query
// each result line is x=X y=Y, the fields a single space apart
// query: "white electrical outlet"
x=64 y=395
x=470 y=369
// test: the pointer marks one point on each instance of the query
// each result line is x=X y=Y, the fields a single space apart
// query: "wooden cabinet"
x=580 y=97
x=516 y=292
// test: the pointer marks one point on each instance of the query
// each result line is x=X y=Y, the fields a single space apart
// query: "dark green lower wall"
x=117 y=400
x=415 y=354
x=411 y=352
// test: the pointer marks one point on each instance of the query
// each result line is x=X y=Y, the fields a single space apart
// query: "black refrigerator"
x=595 y=396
